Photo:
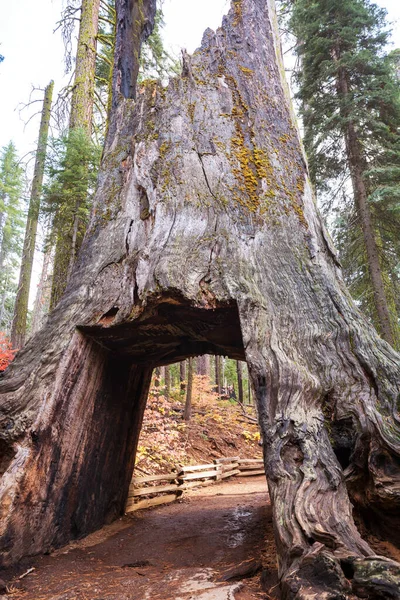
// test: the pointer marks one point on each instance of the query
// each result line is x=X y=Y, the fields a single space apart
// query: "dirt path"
x=183 y=551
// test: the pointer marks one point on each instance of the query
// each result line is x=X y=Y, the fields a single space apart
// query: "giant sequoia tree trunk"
x=205 y=239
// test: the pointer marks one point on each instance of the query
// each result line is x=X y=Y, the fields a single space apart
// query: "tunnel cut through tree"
x=205 y=238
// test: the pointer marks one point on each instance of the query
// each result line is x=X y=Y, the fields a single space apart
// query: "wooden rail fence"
x=153 y=490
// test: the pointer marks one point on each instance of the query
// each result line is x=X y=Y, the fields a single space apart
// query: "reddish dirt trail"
x=184 y=551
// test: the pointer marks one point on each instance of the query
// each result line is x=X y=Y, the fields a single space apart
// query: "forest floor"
x=216 y=544
x=218 y=427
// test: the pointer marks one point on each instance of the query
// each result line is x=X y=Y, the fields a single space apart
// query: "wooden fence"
x=152 y=490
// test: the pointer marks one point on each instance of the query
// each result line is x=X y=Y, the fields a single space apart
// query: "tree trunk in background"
x=188 y=403
x=182 y=374
x=240 y=381
x=218 y=375
x=203 y=365
x=207 y=365
x=205 y=239
x=83 y=88
x=68 y=244
x=18 y=330
x=135 y=22
x=42 y=300
x=157 y=377
x=167 y=382
x=358 y=165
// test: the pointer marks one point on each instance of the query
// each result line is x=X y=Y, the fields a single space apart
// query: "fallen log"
x=155 y=489
x=251 y=473
x=230 y=473
x=226 y=459
x=149 y=502
x=191 y=469
x=199 y=475
x=229 y=466
x=150 y=478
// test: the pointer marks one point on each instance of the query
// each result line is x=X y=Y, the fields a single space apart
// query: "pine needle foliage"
x=72 y=166
x=348 y=40
x=12 y=220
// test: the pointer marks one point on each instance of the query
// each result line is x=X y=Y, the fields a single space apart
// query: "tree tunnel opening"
x=171 y=331
x=168 y=331
x=198 y=411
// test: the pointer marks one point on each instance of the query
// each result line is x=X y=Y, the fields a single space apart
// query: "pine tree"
x=18 y=331
x=349 y=99
x=69 y=236
x=72 y=171
x=11 y=224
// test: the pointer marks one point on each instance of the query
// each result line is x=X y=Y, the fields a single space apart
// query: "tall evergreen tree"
x=349 y=101
x=72 y=171
x=18 y=331
x=70 y=236
x=11 y=227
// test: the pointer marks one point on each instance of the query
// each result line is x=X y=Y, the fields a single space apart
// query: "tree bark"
x=84 y=82
x=157 y=377
x=18 y=330
x=358 y=166
x=167 y=382
x=42 y=300
x=82 y=100
x=203 y=365
x=182 y=374
x=218 y=375
x=205 y=239
x=240 y=381
x=135 y=22
x=187 y=414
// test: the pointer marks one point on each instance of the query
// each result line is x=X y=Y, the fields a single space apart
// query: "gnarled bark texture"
x=205 y=239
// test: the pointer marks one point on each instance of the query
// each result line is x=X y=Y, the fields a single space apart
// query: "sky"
x=34 y=53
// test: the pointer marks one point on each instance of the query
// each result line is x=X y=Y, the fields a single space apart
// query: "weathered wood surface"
x=229 y=466
x=151 y=478
x=194 y=468
x=226 y=459
x=200 y=475
x=230 y=473
x=196 y=484
x=205 y=239
x=132 y=506
x=152 y=489
x=251 y=473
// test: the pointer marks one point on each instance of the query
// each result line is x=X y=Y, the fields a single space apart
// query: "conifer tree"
x=18 y=331
x=90 y=106
x=11 y=224
x=70 y=236
x=349 y=101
